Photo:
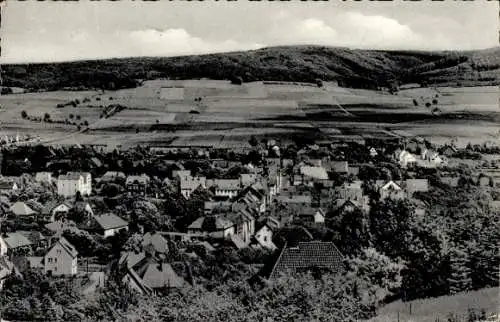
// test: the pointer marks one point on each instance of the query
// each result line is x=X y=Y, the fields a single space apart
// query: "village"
x=85 y=209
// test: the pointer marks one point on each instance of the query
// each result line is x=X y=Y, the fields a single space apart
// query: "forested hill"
x=352 y=68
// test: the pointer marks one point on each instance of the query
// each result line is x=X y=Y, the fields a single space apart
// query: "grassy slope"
x=357 y=68
x=429 y=309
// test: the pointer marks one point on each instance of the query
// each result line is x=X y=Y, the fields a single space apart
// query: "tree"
x=71 y=116
x=459 y=279
x=24 y=115
x=46 y=117
x=78 y=117
x=236 y=80
x=253 y=141
x=319 y=82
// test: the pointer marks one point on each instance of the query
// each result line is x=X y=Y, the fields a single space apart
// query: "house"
x=433 y=157
x=348 y=206
x=244 y=224
x=138 y=184
x=225 y=188
x=146 y=275
x=308 y=175
x=340 y=167
x=263 y=237
x=37 y=239
x=310 y=215
x=8 y=186
x=43 y=177
x=305 y=256
x=22 y=210
x=373 y=152
x=109 y=224
x=71 y=183
x=449 y=150
x=156 y=241
x=181 y=173
x=54 y=210
x=16 y=243
x=213 y=225
x=112 y=176
x=247 y=179
x=188 y=184
x=390 y=190
x=61 y=259
x=351 y=191
x=406 y=159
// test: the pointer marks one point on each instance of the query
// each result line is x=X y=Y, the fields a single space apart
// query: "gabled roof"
x=66 y=245
x=226 y=184
x=339 y=166
x=191 y=183
x=73 y=176
x=21 y=209
x=306 y=255
x=6 y=267
x=390 y=185
x=237 y=241
x=32 y=236
x=210 y=224
x=110 y=221
x=314 y=172
x=158 y=275
x=142 y=179
x=15 y=240
x=130 y=259
x=293 y=199
x=310 y=211
x=49 y=206
x=6 y=185
x=159 y=243
x=111 y=175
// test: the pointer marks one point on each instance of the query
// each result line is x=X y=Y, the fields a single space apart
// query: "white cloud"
x=147 y=42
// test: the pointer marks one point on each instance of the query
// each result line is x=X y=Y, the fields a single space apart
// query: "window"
x=55 y=260
x=58 y=251
x=50 y=260
x=265 y=238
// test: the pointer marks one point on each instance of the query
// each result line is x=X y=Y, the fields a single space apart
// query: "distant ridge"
x=350 y=67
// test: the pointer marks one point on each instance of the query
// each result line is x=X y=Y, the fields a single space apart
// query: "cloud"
x=145 y=42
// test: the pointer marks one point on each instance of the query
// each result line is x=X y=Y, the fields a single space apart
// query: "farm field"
x=161 y=109
x=429 y=310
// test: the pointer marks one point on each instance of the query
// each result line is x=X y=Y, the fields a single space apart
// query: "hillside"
x=351 y=68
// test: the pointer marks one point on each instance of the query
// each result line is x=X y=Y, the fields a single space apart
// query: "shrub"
x=71 y=116
x=236 y=80
x=24 y=115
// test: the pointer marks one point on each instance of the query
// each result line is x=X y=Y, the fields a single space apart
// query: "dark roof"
x=211 y=224
x=5 y=185
x=307 y=255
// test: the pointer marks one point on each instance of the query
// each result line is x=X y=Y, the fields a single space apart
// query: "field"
x=429 y=310
x=217 y=113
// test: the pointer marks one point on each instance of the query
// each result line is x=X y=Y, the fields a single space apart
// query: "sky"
x=34 y=31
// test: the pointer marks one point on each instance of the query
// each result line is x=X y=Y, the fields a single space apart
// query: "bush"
x=24 y=115
x=71 y=116
x=236 y=80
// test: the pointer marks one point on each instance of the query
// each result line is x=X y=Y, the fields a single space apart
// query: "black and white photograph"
x=250 y=161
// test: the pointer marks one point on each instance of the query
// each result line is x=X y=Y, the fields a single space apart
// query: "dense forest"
x=350 y=67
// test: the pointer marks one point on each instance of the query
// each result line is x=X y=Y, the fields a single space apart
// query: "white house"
x=407 y=159
x=188 y=184
x=264 y=237
x=110 y=224
x=43 y=177
x=228 y=188
x=61 y=259
x=69 y=184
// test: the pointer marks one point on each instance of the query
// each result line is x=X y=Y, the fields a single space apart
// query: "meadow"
x=161 y=108
x=438 y=309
